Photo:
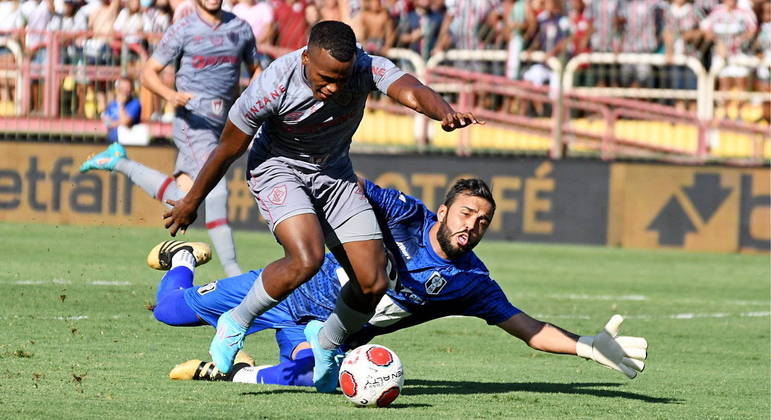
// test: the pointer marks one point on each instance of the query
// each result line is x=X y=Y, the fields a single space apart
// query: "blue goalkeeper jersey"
x=428 y=286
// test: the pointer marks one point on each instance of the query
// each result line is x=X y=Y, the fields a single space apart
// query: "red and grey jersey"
x=292 y=123
x=210 y=60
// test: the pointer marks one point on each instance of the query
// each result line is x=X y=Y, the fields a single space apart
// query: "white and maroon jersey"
x=729 y=26
x=604 y=15
x=210 y=61
x=294 y=123
x=679 y=20
x=640 y=30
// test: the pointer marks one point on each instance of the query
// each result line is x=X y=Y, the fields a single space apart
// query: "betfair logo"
x=689 y=209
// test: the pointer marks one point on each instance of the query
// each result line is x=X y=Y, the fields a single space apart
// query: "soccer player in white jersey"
x=433 y=273
x=211 y=45
x=302 y=112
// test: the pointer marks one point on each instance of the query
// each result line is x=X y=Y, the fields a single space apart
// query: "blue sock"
x=173 y=310
x=297 y=372
x=174 y=279
x=170 y=306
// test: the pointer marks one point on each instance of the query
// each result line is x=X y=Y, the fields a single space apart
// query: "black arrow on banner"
x=672 y=223
x=706 y=194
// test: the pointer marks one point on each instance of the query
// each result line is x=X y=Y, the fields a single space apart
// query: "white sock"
x=248 y=375
x=183 y=258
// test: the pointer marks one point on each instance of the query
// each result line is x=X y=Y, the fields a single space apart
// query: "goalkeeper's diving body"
x=433 y=273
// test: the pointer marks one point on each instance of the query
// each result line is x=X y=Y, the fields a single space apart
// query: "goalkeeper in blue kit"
x=433 y=273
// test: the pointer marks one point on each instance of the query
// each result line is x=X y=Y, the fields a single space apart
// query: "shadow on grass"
x=301 y=390
x=432 y=387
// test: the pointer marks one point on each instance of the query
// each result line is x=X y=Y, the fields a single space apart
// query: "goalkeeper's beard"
x=444 y=237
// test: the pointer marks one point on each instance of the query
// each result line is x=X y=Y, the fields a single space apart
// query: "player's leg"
x=285 y=205
x=194 y=145
x=356 y=240
x=180 y=259
x=156 y=184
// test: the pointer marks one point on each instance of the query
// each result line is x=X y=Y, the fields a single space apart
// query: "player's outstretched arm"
x=151 y=80
x=624 y=354
x=410 y=92
x=233 y=143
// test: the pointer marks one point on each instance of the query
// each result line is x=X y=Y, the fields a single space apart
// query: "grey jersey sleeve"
x=170 y=47
x=384 y=73
x=258 y=102
x=250 y=55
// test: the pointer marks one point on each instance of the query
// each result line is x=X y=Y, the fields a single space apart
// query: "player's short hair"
x=335 y=37
x=474 y=187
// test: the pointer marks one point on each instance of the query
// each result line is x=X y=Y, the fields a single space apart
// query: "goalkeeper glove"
x=624 y=354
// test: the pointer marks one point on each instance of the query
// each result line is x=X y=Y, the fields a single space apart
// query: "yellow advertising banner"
x=694 y=208
x=41 y=183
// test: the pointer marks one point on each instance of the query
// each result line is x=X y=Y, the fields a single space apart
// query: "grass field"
x=77 y=340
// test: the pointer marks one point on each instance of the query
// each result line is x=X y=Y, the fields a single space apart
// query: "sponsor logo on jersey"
x=206 y=288
x=435 y=284
x=202 y=61
x=216 y=40
x=278 y=195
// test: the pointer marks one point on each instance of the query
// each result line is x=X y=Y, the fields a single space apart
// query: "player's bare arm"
x=410 y=92
x=622 y=353
x=151 y=79
x=233 y=144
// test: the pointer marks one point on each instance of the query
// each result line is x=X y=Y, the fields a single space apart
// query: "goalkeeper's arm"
x=624 y=354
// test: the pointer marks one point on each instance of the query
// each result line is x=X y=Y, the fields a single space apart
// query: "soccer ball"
x=371 y=375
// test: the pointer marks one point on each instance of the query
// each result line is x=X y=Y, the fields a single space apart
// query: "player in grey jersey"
x=210 y=45
x=302 y=112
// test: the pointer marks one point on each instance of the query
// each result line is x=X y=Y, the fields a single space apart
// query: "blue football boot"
x=228 y=340
x=105 y=160
x=326 y=366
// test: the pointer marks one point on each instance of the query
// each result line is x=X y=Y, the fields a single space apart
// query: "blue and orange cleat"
x=228 y=340
x=105 y=160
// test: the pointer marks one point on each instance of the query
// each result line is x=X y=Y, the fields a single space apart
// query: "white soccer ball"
x=371 y=375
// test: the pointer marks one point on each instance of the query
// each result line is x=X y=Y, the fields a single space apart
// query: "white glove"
x=624 y=354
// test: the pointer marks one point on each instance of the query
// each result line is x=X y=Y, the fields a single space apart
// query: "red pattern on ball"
x=379 y=356
x=348 y=384
x=388 y=396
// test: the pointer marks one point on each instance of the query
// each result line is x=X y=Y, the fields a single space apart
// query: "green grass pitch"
x=78 y=342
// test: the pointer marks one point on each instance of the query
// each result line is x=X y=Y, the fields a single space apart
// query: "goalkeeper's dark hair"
x=335 y=37
x=474 y=187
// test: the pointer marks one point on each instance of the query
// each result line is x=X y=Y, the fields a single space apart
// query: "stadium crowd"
x=124 y=32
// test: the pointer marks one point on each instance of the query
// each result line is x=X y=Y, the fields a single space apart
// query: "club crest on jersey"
x=278 y=195
x=435 y=284
x=233 y=37
x=216 y=40
x=216 y=106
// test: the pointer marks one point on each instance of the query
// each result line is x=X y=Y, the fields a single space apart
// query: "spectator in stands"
x=421 y=28
x=762 y=48
x=516 y=26
x=552 y=38
x=72 y=27
x=156 y=18
x=607 y=21
x=37 y=15
x=128 y=28
x=639 y=37
x=259 y=15
x=11 y=21
x=290 y=27
x=581 y=28
x=681 y=36
x=730 y=28
x=374 y=28
x=124 y=111
x=97 y=49
x=462 y=23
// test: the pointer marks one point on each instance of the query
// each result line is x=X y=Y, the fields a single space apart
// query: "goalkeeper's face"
x=463 y=224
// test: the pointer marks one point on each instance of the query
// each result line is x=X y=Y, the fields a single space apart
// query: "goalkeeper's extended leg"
x=180 y=259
